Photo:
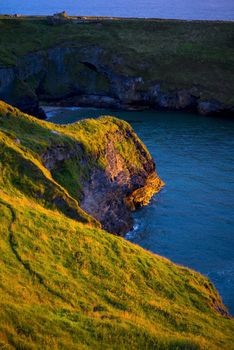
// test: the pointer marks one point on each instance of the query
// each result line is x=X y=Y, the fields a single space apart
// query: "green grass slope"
x=67 y=284
x=89 y=136
x=179 y=54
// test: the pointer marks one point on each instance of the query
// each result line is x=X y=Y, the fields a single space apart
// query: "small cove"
x=191 y=221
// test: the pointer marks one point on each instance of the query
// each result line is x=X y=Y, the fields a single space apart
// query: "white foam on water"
x=132 y=234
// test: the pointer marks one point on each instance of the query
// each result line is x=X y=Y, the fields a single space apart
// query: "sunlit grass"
x=67 y=284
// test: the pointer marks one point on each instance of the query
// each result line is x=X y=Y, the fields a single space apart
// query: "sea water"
x=182 y=9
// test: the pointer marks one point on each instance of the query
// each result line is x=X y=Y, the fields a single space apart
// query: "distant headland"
x=118 y=63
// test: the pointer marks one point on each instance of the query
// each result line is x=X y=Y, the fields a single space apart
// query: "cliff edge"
x=101 y=163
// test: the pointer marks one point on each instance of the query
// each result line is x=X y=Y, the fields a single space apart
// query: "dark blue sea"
x=191 y=221
x=182 y=9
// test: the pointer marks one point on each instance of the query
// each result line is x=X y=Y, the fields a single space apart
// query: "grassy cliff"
x=67 y=284
x=176 y=54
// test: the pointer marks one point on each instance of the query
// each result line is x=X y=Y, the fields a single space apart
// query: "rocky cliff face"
x=84 y=77
x=111 y=195
x=112 y=191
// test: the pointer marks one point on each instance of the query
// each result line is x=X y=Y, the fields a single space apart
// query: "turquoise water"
x=191 y=221
x=183 y=9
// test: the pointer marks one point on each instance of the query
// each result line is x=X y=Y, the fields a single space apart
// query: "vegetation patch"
x=67 y=284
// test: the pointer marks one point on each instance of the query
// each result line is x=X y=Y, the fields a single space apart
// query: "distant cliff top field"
x=177 y=54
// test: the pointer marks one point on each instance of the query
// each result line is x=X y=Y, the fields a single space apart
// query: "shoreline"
x=113 y=18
